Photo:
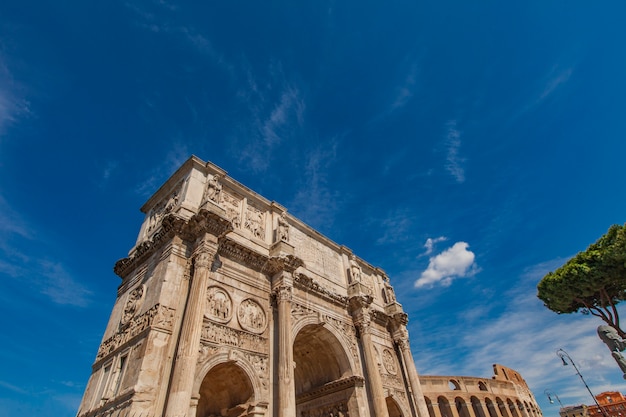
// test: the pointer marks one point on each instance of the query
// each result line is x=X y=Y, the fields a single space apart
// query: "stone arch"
x=502 y=407
x=520 y=407
x=477 y=407
x=320 y=358
x=340 y=338
x=393 y=407
x=482 y=386
x=225 y=390
x=461 y=407
x=512 y=407
x=491 y=408
x=429 y=406
x=444 y=407
x=454 y=385
x=229 y=362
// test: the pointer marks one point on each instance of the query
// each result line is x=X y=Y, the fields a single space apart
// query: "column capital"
x=283 y=293
x=287 y=263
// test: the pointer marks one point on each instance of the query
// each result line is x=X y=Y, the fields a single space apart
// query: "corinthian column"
x=179 y=399
x=286 y=387
x=359 y=306
x=401 y=337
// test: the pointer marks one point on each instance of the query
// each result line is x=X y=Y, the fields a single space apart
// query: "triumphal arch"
x=230 y=306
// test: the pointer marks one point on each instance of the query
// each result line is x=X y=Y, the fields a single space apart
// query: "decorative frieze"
x=159 y=317
x=339 y=409
x=389 y=362
x=222 y=335
x=260 y=363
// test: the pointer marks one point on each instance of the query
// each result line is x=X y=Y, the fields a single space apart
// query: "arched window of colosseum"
x=225 y=387
x=521 y=408
x=482 y=386
x=444 y=407
x=491 y=408
x=461 y=407
x=477 y=407
x=454 y=385
x=319 y=359
x=502 y=408
x=512 y=407
x=393 y=408
x=429 y=405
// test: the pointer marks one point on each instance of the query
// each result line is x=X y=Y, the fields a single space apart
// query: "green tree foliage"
x=592 y=282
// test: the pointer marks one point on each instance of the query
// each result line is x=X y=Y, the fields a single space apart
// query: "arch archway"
x=512 y=407
x=321 y=362
x=477 y=407
x=491 y=408
x=226 y=390
x=393 y=408
x=461 y=407
x=429 y=405
x=444 y=407
x=502 y=407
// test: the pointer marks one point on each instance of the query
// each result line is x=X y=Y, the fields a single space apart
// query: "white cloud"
x=454 y=162
x=406 y=90
x=430 y=244
x=555 y=79
x=455 y=262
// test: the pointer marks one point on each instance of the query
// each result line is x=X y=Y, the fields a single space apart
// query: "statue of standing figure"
x=213 y=188
x=355 y=270
x=615 y=343
x=283 y=228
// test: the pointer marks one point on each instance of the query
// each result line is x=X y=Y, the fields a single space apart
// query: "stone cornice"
x=172 y=225
x=309 y=284
x=233 y=250
x=334 y=386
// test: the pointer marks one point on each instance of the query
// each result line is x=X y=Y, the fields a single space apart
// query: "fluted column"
x=286 y=386
x=179 y=400
x=359 y=306
x=402 y=340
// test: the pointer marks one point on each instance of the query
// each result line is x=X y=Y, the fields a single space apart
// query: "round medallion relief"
x=219 y=305
x=389 y=362
x=251 y=316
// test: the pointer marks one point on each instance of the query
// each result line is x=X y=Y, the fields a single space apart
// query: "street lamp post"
x=563 y=354
x=549 y=394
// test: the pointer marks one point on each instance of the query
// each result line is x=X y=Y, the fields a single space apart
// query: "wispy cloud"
x=556 y=77
x=174 y=158
x=455 y=262
x=406 y=90
x=454 y=161
x=12 y=104
x=273 y=123
x=315 y=202
x=430 y=244
x=47 y=277
x=395 y=226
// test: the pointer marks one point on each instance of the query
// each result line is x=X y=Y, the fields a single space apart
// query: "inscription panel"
x=317 y=257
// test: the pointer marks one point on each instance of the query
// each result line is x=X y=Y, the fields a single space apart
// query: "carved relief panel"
x=132 y=305
x=161 y=209
x=232 y=204
x=219 y=305
x=251 y=316
x=255 y=222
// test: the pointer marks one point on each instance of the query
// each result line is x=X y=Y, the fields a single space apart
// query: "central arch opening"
x=321 y=369
x=226 y=391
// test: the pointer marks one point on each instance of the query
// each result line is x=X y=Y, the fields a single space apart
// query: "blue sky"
x=467 y=148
